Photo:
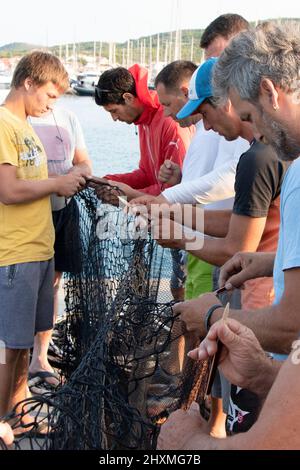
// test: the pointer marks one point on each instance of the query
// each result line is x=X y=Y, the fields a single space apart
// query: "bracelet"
x=208 y=315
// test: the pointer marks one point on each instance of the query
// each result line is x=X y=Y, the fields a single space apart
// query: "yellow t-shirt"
x=26 y=229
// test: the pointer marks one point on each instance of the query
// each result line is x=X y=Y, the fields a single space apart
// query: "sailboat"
x=86 y=82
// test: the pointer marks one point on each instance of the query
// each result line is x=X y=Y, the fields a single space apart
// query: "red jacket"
x=161 y=138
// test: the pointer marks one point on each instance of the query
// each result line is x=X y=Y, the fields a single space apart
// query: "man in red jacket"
x=125 y=95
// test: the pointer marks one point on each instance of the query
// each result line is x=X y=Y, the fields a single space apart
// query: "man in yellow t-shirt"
x=26 y=230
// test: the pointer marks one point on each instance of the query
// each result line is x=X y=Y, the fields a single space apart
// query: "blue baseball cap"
x=199 y=88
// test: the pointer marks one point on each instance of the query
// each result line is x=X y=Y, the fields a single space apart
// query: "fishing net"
x=122 y=352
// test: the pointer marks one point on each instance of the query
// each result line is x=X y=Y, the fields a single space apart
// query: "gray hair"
x=267 y=51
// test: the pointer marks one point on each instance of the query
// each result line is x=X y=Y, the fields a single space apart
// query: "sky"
x=67 y=21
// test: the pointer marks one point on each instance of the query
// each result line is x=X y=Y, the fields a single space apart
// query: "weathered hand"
x=243 y=362
x=69 y=184
x=244 y=266
x=170 y=173
x=192 y=312
x=127 y=190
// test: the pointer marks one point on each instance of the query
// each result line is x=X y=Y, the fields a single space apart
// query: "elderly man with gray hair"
x=259 y=72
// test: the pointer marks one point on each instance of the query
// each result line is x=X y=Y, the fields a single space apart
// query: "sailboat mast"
x=157 y=51
x=177 y=51
x=192 y=49
x=150 y=57
x=100 y=53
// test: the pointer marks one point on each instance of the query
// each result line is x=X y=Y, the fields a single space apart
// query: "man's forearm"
x=215 y=251
x=188 y=431
x=266 y=377
x=216 y=223
x=85 y=166
x=27 y=191
x=268 y=264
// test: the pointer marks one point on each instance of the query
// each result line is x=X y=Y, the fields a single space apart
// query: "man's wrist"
x=162 y=199
x=266 y=377
x=55 y=184
x=133 y=193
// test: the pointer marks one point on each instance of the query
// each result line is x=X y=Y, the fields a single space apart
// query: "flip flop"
x=40 y=377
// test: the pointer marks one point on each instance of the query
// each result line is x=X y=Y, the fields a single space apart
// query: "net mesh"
x=122 y=352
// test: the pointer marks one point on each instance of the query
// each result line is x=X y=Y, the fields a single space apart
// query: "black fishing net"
x=121 y=351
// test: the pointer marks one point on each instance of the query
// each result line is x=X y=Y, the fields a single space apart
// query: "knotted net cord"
x=122 y=364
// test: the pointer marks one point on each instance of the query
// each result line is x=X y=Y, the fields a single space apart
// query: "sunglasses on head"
x=102 y=92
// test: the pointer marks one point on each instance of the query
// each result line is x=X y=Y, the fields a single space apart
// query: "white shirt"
x=60 y=134
x=201 y=154
x=208 y=171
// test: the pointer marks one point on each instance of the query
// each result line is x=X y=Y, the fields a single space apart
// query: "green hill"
x=87 y=48
x=17 y=48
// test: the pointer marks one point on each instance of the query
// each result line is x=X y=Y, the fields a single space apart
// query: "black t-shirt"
x=244 y=408
x=258 y=180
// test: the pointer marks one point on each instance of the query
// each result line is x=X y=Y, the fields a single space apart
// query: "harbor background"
x=113 y=146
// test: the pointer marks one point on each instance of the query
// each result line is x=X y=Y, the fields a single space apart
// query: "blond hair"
x=41 y=68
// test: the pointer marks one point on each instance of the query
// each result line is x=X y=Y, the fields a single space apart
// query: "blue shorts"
x=26 y=302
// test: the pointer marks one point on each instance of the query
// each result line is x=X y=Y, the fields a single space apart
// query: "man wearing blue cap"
x=199 y=88
x=255 y=215
x=254 y=222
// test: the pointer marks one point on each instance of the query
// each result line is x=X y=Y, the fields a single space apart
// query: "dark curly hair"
x=112 y=85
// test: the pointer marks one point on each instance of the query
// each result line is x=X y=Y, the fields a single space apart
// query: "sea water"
x=113 y=146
